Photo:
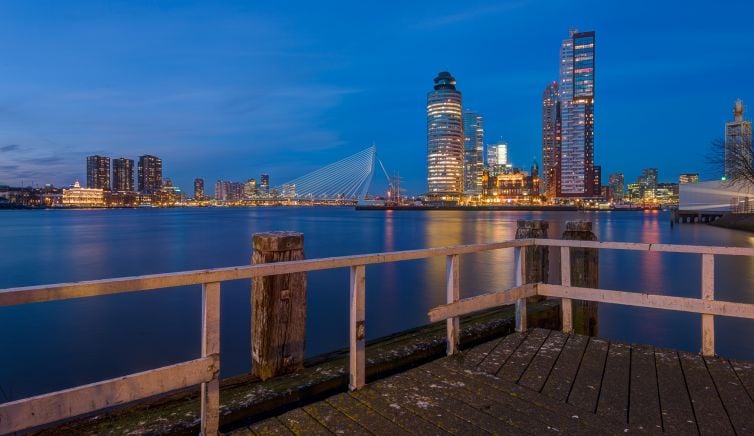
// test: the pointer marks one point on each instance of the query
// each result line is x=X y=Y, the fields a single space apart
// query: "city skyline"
x=223 y=108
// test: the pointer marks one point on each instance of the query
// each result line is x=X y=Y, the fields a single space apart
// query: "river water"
x=51 y=346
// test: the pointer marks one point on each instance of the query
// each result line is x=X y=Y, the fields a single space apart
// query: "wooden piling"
x=537 y=262
x=278 y=307
x=584 y=273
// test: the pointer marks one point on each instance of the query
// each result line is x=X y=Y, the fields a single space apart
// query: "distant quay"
x=509 y=207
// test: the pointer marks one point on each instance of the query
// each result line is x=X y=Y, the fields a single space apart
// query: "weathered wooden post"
x=584 y=273
x=278 y=307
x=537 y=257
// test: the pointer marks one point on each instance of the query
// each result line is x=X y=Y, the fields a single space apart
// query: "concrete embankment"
x=245 y=399
x=738 y=221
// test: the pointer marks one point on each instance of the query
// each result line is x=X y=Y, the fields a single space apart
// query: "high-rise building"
x=123 y=175
x=98 y=172
x=617 y=183
x=198 y=188
x=597 y=181
x=444 y=139
x=473 y=150
x=250 y=188
x=264 y=183
x=149 y=174
x=648 y=178
x=497 y=156
x=737 y=141
x=550 y=139
x=688 y=178
x=575 y=170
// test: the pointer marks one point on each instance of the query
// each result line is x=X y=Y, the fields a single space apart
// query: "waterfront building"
x=235 y=192
x=550 y=139
x=597 y=181
x=123 y=175
x=737 y=140
x=250 y=188
x=445 y=140
x=76 y=196
x=575 y=170
x=616 y=182
x=198 y=188
x=497 y=156
x=264 y=184
x=635 y=192
x=648 y=178
x=222 y=189
x=98 y=172
x=688 y=178
x=473 y=146
x=149 y=174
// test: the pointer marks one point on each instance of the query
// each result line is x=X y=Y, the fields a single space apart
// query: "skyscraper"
x=150 y=174
x=688 y=178
x=444 y=139
x=617 y=184
x=198 y=189
x=250 y=188
x=550 y=139
x=473 y=149
x=576 y=95
x=123 y=175
x=648 y=178
x=737 y=141
x=98 y=172
x=497 y=156
x=264 y=184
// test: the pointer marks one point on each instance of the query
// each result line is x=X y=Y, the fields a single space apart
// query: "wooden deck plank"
x=421 y=403
x=540 y=367
x=482 y=413
x=270 y=426
x=586 y=386
x=301 y=423
x=737 y=402
x=676 y=410
x=644 y=406
x=514 y=368
x=359 y=412
x=472 y=357
x=501 y=353
x=535 y=402
x=710 y=414
x=521 y=413
x=558 y=385
x=745 y=372
x=397 y=414
x=333 y=419
x=613 y=398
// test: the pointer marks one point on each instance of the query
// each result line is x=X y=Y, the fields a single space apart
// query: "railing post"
x=520 y=270
x=278 y=304
x=453 y=294
x=708 y=293
x=537 y=256
x=584 y=264
x=566 y=304
x=210 y=409
x=357 y=360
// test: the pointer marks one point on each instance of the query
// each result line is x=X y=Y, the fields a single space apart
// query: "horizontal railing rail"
x=44 y=409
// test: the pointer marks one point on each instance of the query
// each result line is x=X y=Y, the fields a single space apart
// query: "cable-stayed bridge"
x=346 y=180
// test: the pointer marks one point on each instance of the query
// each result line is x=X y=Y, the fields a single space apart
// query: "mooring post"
x=278 y=307
x=537 y=263
x=585 y=274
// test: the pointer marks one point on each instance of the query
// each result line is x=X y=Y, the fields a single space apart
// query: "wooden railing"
x=49 y=408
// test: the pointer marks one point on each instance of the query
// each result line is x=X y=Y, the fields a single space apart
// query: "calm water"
x=50 y=346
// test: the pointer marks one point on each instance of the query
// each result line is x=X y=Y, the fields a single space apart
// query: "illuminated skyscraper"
x=688 y=178
x=150 y=174
x=617 y=184
x=737 y=140
x=497 y=156
x=98 y=172
x=550 y=139
x=264 y=184
x=198 y=189
x=576 y=96
x=123 y=175
x=444 y=139
x=473 y=149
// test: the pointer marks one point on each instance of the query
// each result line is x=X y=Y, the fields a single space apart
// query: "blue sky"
x=228 y=90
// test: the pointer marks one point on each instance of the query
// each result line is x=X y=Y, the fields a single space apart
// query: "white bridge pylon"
x=346 y=179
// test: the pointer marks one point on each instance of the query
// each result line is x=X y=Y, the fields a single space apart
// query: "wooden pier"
x=541 y=382
x=527 y=382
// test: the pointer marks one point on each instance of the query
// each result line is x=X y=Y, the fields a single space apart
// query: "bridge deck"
x=540 y=382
